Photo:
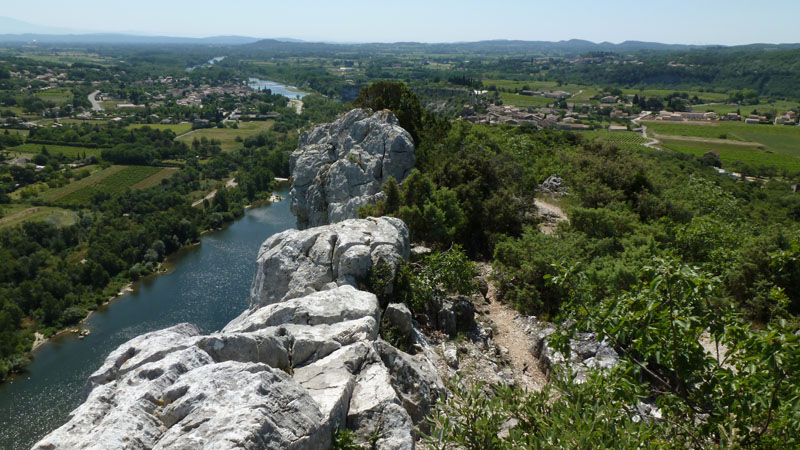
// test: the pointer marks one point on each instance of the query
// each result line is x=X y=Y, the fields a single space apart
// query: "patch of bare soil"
x=511 y=339
x=551 y=215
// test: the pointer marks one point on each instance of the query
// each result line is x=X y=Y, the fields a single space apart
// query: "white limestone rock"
x=297 y=263
x=341 y=166
x=304 y=359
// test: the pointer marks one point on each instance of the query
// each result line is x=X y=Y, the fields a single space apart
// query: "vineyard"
x=626 y=140
x=113 y=184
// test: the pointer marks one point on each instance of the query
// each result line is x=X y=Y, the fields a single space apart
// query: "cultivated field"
x=178 y=129
x=777 y=107
x=155 y=179
x=775 y=138
x=731 y=154
x=227 y=136
x=66 y=150
x=116 y=182
x=523 y=101
x=623 y=139
x=16 y=214
x=59 y=96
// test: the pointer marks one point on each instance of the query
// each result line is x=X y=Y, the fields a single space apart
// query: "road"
x=652 y=142
x=298 y=105
x=93 y=100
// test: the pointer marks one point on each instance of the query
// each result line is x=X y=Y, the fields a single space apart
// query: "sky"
x=728 y=22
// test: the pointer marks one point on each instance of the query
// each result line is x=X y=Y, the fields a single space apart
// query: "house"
x=608 y=99
x=618 y=114
x=557 y=94
x=786 y=119
x=572 y=126
x=666 y=115
x=752 y=121
x=617 y=128
x=732 y=116
x=19 y=162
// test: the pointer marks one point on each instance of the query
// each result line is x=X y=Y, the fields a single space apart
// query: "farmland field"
x=178 y=129
x=155 y=179
x=775 y=138
x=16 y=214
x=524 y=101
x=623 y=139
x=227 y=136
x=114 y=183
x=59 y=96
x=66 y=150
x=730 y=154
x=96 y=174
x=778 y=106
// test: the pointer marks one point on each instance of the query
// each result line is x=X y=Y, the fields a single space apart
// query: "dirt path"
x=297 y=104
x=552 y=214
x=208 y=197
x=19 y=214
x=509 y=336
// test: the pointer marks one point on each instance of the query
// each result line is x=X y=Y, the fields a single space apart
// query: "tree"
x=392 y=192
x=398 y=98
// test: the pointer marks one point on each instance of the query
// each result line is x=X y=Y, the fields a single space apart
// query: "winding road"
x=93 y=100
x=652 y=141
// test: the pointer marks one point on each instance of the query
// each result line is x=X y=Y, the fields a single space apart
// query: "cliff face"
x=303 y=360
x=341 y=166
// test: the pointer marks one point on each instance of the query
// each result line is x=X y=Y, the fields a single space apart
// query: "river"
x=208 y=286
x=276 y=88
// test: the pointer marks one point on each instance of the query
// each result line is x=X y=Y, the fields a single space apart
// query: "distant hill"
x=503 y=47
x=112 y=38
x=11 y=26
x=19 y=32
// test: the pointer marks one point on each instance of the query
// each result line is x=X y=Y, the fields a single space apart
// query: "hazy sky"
x=669 y=21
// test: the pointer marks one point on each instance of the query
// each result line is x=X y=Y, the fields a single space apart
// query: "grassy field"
x=533 y=85
x=19 y=132
x=661 y=93
x=178 y=129
x=16 y=214
x=155 y=179
x=623 y=139
x=523 y=101
x=59 y=96
x=752 y=156
x=227 y=136
x=66 y=150
x=778 y=106
x=775 y=138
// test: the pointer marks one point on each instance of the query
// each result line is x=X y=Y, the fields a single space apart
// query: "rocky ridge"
x=303 y=360
x=341 y=166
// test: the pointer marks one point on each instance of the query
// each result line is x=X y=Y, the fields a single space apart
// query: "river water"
x=208 y=286
x=276 y=88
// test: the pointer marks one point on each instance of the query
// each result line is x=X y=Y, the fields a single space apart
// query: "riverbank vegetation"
x=123 y=219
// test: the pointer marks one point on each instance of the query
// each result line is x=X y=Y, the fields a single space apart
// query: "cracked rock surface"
x=303 y=360
x=341 y=166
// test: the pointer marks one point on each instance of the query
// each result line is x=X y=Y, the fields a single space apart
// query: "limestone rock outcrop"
x=302 y=361
x=296 y=263
x=341 y=166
